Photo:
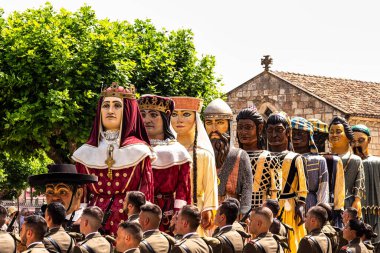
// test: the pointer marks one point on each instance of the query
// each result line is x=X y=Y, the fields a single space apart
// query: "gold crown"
x=151 y=102
x=119 y=91
x=188 y=103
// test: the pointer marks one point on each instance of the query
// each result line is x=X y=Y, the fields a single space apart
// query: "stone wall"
x=374 y=126
x=269 y=93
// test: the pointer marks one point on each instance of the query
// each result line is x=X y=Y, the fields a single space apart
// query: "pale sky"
x=330 y=38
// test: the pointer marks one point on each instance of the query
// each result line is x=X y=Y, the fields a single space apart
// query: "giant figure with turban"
x=371 y=164
x=315 y=165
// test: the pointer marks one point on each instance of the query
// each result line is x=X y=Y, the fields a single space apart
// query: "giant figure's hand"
x=206 y=219
x=300 y=212
x=358 y=206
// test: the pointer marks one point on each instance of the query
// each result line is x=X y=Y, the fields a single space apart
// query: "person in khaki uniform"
x=32 y=232
x=315 y=241
x=331 y=232
x=352 y=231
x=153 y=239
x=129 y=236
x=132 y=203
x=189 y=218
x=349 y=213
x=261 y=220
x=7 y=242
x=56 y=239
x=89 y=224
x=230 y=240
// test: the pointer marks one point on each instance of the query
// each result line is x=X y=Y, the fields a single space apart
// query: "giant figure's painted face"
x=62 y=193
x=278 y=136
x=183 y=122
x=300 y=139
x=112 y=113
x=247 y=132
x=153 y=123
x=337 y=137
x=216 y=125
x=360 y=144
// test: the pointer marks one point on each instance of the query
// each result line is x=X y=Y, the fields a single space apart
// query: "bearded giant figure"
x=118 y=152
x=232 y=164
x=371 y=164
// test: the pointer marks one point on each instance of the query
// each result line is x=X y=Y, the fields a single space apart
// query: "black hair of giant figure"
x=255 y=116
x=347 y=128
x=168 y=134
x=275 y=119
x=195 y=171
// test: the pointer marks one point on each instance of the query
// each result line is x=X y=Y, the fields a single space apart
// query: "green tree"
x=54 y=63
x=15 y=172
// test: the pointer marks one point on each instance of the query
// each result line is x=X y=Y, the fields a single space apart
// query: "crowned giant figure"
x=118 y=152
x=340 y=136
x=371 y=164
x=232 y=164
x=171 y=169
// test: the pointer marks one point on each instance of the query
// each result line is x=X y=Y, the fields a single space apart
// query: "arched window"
x=266 y=109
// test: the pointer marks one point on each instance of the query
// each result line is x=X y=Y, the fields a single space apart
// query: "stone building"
x=311 y=96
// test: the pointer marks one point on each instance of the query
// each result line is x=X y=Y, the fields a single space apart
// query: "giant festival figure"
x=118 y=152
x=294 y=186
x=192 y=135
x=371 y=164
x=171 y=169
x=340 y=136
x=266 y=174
x=64 y=185
x=233 y=164
x=334 y=168
x=316 y=167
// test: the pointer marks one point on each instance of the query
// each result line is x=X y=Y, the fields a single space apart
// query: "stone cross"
x=266 y=61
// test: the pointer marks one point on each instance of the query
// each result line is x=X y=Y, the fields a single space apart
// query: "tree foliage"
x=54 y=63
x=15 y=172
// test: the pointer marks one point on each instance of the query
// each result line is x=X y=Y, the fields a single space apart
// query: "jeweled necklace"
x=111 y=137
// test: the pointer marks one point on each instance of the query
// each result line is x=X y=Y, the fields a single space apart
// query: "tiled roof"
x=357 y=98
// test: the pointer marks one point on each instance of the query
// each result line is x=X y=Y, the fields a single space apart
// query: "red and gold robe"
x=171 y=172
x=132 y=171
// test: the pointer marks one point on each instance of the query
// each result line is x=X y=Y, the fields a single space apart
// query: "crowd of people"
x=154 y=177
